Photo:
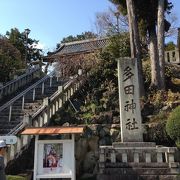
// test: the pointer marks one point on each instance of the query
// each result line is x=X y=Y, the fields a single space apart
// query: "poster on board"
x=53 y=158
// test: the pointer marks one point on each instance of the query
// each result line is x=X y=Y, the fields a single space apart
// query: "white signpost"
x=130 y=117
x=9 y=139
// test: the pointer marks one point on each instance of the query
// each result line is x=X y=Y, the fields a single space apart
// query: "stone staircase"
x=33 y=105
x=12 y=116
x=14 y=87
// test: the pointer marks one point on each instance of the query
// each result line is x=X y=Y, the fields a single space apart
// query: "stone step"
x=9 y=126
x=19 y=103
x=136 y=177
x=39 y=95
x=137 y=165
x=9 y=97
x=30 y=106
x=142 y=171
x=4 y=131
x=3 y=116
x=13 y=113
x=5 y=122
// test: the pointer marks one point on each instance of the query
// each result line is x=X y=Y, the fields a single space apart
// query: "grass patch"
x=10 y=177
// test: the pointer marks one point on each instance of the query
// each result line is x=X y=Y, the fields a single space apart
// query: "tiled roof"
x=81 y=46
x=53 y=130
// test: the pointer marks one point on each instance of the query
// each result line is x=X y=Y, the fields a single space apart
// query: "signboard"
x=54 y=155
x=130 y=115
x=9 y=139
x=54 y=159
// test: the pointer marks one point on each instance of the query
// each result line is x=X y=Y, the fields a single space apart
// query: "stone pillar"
x=41 y=122
x=136 y=157
x=25 y=140
x=171 y=157
x=60 y=88
x=50 y=112
x=60 y=102
x=45 y=118
x=124 y=157
x=45 y=101
x=148 y=157
x=69 y=93
x=53 y=108
x=26 y=120
x=66 y=95
x=75 y=87
x=159 y=157
x=130 y=115
x=101 y=161
x=35 y=124
x=6 y=159
x=102 y=155
x=12 y=152
x=19 y=143
x=57 y=105
x=72 y=91
x=113 y=156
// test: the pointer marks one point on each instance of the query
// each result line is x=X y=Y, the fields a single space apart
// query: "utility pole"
x=117 y=14
x=26 y=33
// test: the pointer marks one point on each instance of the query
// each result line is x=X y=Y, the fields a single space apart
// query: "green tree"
x=173 y=125
x=146 y=13
x=10 y=59
x=170 y=46
x=29 y=46
x=83 y=36
x=118 y=46
x=17 y=40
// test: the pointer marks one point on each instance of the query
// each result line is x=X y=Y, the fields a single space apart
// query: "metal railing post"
x=23 y=103
x=34 y=93
x=50 y=81
x=43 y=88
x=10 y=112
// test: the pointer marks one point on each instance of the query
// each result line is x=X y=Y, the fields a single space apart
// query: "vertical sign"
x=130 y=115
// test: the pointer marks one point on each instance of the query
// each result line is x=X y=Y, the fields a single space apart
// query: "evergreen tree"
x=10 y=60
x=146 y=13
x=24 y=45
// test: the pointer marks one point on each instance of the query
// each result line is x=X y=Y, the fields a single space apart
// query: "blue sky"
x=51 y=20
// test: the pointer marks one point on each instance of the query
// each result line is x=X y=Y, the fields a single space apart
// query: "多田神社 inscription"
x=130 y=116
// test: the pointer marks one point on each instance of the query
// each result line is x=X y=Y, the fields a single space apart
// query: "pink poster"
x=53 y=158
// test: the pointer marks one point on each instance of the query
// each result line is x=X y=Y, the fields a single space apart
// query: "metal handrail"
x=17 y=128
x=25 y=91
x=51 y=98
x=18 y=78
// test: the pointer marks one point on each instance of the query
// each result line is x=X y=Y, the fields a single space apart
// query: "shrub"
x=173 y=125
x=157 y=133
